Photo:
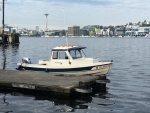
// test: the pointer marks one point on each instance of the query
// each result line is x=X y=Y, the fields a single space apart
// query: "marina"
x=128 y=90
x=39 y=75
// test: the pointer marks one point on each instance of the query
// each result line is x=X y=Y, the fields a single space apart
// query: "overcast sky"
x=64 y=13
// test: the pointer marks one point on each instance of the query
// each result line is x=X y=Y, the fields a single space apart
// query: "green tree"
x=145 y=21
x=91 y=33
x=130 y=23
x=139 y=23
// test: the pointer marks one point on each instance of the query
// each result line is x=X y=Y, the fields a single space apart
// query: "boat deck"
x=58 y=83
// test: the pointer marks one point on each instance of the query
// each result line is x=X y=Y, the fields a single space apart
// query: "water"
x=128 y=91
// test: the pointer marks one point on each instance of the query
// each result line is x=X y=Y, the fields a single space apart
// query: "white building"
x=138 y=31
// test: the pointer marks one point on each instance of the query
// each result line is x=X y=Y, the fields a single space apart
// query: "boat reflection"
x=73 y=101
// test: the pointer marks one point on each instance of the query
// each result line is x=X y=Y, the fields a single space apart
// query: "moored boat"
x=67 y=59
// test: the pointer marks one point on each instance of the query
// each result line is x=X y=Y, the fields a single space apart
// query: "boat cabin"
x=69 y=52
x=68 y=55
x=65 y=55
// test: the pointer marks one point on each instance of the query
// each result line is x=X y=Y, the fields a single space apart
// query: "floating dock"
x=52 y=82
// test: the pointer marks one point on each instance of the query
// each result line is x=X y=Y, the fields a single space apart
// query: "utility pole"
x=3 y=22
x=3 y=38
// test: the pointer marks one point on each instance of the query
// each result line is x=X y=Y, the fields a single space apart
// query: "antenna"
x=65 y=26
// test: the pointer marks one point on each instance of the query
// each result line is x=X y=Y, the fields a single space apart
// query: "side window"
x=72 y=53
x=55 y=55
x=59 y=55
x=63 y=55
x=76 y=54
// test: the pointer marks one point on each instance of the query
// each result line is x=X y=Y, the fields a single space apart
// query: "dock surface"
x=42 y=81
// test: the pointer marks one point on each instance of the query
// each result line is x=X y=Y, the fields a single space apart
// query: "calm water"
x=128 y=92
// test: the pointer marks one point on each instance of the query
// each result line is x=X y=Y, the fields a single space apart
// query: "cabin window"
x=60 y=55
x=63 y=55
x=55 y=55
x=76 y=54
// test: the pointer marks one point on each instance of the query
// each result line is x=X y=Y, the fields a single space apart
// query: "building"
x=91 y=27
x=37 y=28
x=9 y=30
x=120 y=31
x=84 y=32
x=74 y=31
x=24 y=32
x=138 y=31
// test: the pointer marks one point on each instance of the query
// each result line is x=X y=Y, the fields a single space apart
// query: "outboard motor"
x=26 y=60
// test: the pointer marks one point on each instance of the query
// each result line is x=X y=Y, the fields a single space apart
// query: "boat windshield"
x=75 y=54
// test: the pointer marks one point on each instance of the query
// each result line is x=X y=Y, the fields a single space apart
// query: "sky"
x=64 y=13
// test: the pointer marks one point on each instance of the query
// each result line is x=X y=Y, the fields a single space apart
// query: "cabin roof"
x=68 y=47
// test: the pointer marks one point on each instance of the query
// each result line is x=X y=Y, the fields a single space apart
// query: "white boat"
x=68 y=59
x=45 y=36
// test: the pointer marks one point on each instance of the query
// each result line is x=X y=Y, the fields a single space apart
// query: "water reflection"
x=8 y=52
x=4 y=56
x=74 y=101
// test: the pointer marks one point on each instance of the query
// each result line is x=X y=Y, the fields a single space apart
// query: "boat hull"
x=96 y=70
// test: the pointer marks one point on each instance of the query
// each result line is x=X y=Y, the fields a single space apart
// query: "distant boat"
x=68 y=59
x=147 y=35
x=45 y=36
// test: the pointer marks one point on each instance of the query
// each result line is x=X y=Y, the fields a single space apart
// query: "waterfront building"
x=129 y=33
x=119 y=32
x=105 y=32
x=146 y=30
x=37 y=28
x=100 y=32
x=138 y=31
x=33 y=33
x=91 y=27
x=84 y=32
x=49 y=33
x=74 y=31
x=9 y=29
x=24 y=32
x=59 y=33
